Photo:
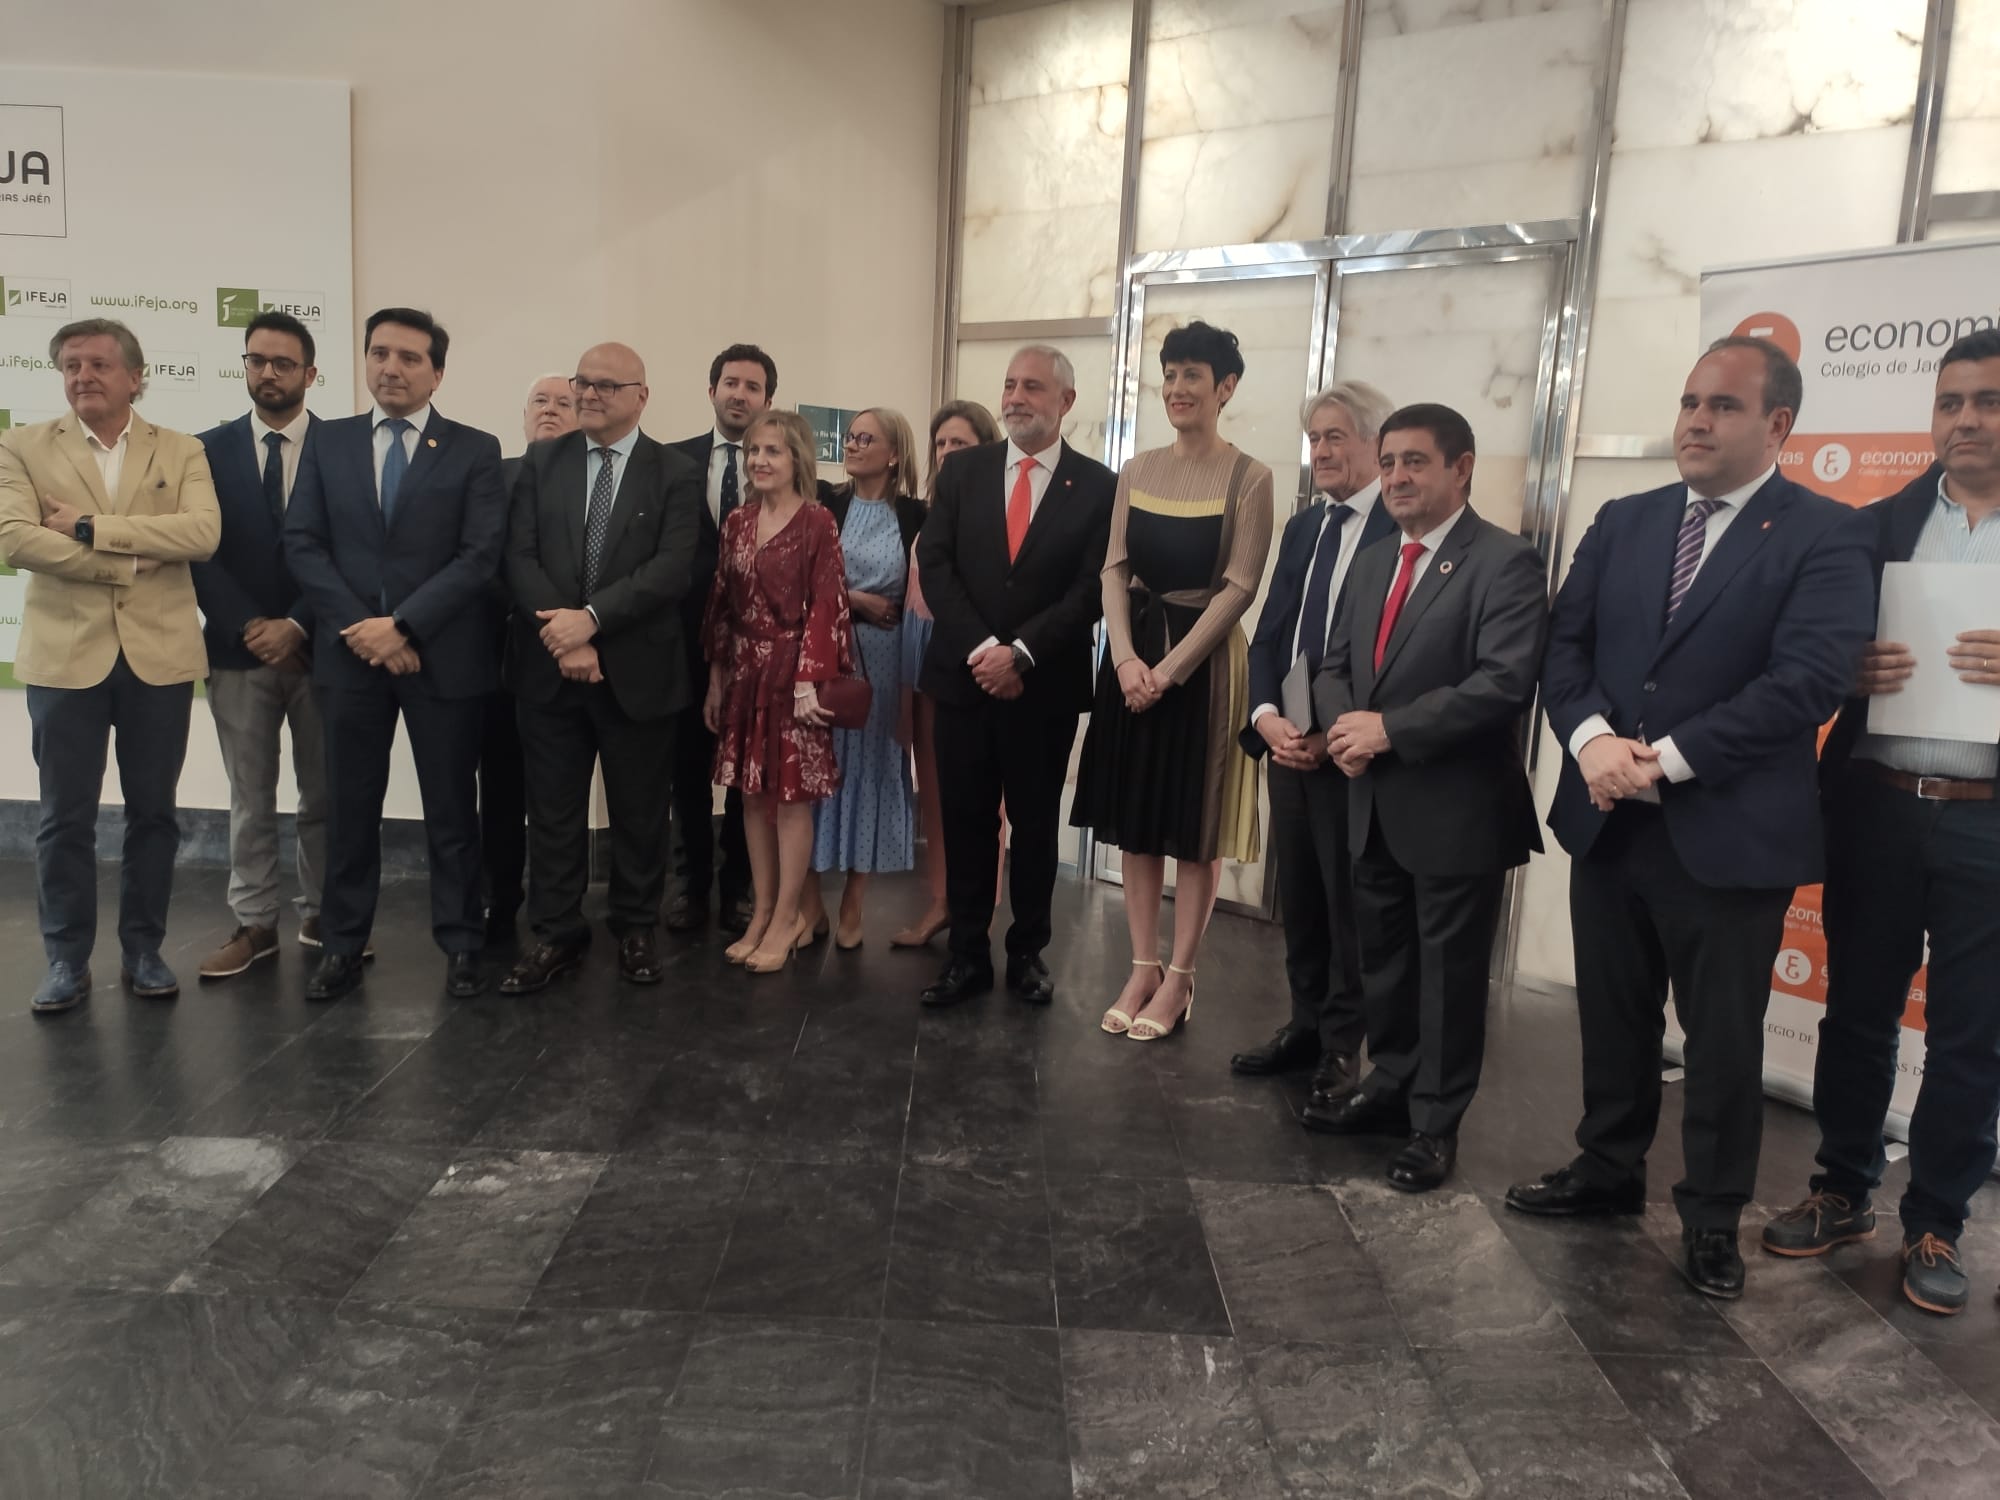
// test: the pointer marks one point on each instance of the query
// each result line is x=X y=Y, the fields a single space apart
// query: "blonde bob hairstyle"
x=902 y=448
x=797 y=435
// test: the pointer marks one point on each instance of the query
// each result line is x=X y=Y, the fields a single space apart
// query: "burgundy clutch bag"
x=847 y=700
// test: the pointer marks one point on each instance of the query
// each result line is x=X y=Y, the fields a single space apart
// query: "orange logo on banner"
x=1774 y=326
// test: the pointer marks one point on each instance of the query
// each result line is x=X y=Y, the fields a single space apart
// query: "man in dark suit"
x=394 y=533
x=1426 y=680
x=1705 y=632
x=258 y=630
x=600 y=551
x=1913 y=847
x=1009 y=664
x=742 y=380
x=1309 y=854
x=549 y=412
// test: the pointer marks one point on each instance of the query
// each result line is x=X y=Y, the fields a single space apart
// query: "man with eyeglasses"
x=600 y=553
x=258 y=629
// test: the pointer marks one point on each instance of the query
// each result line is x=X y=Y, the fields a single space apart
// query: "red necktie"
x=1401 y=591
x=1020 y=507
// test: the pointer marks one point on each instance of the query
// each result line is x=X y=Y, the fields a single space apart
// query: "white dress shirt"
x=1673 y=765
x=418 y=420
x=111 y=459
x=1362 y=503
x=1038 y=486
x=718 y=456
x=294 y=434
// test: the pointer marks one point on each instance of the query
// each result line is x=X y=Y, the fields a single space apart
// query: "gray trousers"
x=250 y=708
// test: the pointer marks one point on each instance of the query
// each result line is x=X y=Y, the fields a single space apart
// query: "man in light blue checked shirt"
x=1913 y=846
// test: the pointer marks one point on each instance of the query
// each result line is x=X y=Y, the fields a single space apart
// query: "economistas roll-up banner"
x=1867 y=328
x=181 y=205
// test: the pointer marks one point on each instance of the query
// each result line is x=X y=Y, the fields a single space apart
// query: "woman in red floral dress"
x=776 y=625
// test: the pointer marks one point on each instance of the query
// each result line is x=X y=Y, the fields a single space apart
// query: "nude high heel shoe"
x=1144 y=1030
x=1115 y=1020
x=771 y=966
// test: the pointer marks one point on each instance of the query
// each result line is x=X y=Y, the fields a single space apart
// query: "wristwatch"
x=1022 y=661
x=85 y=531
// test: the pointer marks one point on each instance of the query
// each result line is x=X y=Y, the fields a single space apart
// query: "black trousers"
x=986 y=752
x=1898 y=867
x=70 y=731
x=562 y=743
x=694 y=810
x=503 y=805
x=1316 y=895
x=1426 y=957
x=444 y=742
x=1642 y=922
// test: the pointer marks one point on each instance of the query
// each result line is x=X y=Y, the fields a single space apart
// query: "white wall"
x=677 y=174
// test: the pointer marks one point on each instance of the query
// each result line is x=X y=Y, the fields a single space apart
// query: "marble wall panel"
x=1969 y=142
x=1503 y=87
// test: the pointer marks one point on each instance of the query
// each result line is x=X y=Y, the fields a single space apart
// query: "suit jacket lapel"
x=139 y=445
x=639 y=471
x=430 y=446
x=1048 y=515
x=1378 y=524
x=1370 y=580
x=1736 y=547
x=1439 y=575
x=70 y=438
x=1906 y=521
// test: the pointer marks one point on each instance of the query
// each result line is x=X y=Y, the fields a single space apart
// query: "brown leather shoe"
x=639 y=958
x=534 y=969
x=245 y=946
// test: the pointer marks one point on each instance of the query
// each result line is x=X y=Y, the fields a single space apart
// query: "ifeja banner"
x=1867 y=328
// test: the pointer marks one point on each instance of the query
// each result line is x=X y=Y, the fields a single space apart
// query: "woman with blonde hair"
x=865 y=826
x=954 y=426
x=777 y=626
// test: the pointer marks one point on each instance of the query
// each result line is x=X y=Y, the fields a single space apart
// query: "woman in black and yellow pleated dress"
x=1162 y=775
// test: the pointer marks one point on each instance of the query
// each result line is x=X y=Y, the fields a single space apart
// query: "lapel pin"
x=432 y=441
x=1766 y=526
x=1444 y=568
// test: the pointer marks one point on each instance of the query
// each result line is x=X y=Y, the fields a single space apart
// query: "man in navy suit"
x=1705 y=633
x=1913 y=848
x=1308 y=794
x=394 y=531
x=258 y=629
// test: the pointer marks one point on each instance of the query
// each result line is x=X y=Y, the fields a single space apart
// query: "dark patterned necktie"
x=274 y=475
x=1687 y=551
x=395 y=464
x=597 y=523
x=1318 y=607
x=729 y=496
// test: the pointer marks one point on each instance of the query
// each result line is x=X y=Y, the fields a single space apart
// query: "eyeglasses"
x=257 y=364
x=857 y=440
x=605 y=389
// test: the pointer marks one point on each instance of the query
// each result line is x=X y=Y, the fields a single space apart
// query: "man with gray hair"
x=1308 y=795
x=104 y=512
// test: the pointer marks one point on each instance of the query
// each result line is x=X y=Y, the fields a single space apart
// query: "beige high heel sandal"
x=1124 y=1022
x=1144 y=1030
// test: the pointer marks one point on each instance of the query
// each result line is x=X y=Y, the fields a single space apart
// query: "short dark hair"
x=411 y=317
x=745 y=354
x=1452 y=431
x=1982 y=345
x=284 y=322
x=1783 y=385
x=1202 y=343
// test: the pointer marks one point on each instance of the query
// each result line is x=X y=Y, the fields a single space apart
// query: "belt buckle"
x=1925 y=783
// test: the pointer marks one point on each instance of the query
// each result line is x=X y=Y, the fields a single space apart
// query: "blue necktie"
x=274 y=476
x=1313 y=614
x=395 y=464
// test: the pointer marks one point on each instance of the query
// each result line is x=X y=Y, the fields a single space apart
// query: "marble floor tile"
x=367 y=1415
x=1163 y=1417
x=445 y=1090
x=961 y=1411
x=710 y=1105
x=1107 y=1120
x=1450 y=1273
x=967 y=1110
x=141 y=1229
x=845 y=1099
x=971 y=1246
x=302 y=1091
x=1352 y=1424
x=42 y=1183
x=767 y=1408
x=650 y=1235
x=1245 y=1130
x=1291 y=1268
x=809 y=1241
x=484 y=1234
x=1730 y=1429
x=1545 y=1426
x=1130 y=1255
x=317 y=1228
x=580 y=1097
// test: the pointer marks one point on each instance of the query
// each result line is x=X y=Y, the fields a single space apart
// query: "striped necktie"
x=1687 y=551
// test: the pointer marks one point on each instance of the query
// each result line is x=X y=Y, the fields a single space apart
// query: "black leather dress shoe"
x=1293 y=1047
x=534 y=969
x=639 y=958
x=1358 y=1113
x=1564 y=1194
x=64 y=987
x=1424 y=1163
x=334 y=976
x=736 y=914
x=148 y=977
x=463 y=978
x=685 y=915
x=1028 y=979
x=1712 y=1263
x=1334 y=1079
x=960 y=980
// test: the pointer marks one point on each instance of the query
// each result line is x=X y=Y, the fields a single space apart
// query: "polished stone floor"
x=789 y=1237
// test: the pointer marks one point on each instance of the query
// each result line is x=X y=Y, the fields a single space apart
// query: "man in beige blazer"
x=104 y=512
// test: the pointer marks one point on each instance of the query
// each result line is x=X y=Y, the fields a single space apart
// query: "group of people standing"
x=714 y=608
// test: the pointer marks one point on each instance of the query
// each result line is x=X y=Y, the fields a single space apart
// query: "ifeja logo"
x=238 y=306
x=33 y=297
